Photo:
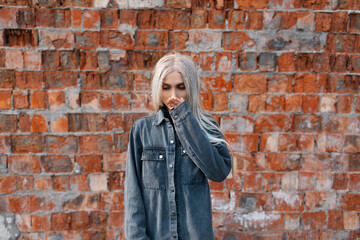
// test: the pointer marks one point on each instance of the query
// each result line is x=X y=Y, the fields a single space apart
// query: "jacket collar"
x=159 y=117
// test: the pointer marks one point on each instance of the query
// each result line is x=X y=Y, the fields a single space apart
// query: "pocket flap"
x=153 y=155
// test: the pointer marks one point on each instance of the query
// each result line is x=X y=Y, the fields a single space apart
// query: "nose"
x=173 y=92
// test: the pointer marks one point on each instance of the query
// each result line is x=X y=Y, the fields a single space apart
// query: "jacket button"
x=172 y=212
x=175 y=117
x=171 y=141
x=170 y=166
x=184 y=151
x=172 y=189
x=161 y=156
x=174 y=236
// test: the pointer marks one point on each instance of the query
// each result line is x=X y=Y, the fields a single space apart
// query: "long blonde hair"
x=187 y=68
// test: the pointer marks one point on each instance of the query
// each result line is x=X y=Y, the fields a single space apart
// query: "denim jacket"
x=167 y=195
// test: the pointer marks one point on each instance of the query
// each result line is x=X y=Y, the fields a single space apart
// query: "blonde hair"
x=187 y=68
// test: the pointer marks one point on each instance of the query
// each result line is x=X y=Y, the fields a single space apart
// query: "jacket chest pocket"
x=153 y=168
x=191 y=174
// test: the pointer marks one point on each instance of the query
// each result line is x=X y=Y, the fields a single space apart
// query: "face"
x=173 y=86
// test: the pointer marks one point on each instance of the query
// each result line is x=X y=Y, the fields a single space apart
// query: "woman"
x=170 y=157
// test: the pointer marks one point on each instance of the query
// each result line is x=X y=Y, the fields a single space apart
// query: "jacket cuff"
x=179 y=113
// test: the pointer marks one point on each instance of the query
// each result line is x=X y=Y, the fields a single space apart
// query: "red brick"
x=236 y=124
x=40 y=223
x=344 y=103
x=24 y=164
x=354 y=25
x=40 y=203
x=310 y=103
x=236 y=19
x=178 y=4
x=25 y=183
x=17 y=204
x=86 y=122
x=222 y=234
x=340 y=124
x=248 y=4
x=21 y=99
x=254 y=20
x=237 y=41
x=5 y=100
x=80 y=221
x=247 y=61
x=316 y=162
x=288 y=201
x=109 y=18
x=198 y=18
x=257 y=103
x=57 y=163
x=112 y=201
x=56 y=39
x=61 y=183
x=306 y=143
x=354 y=182
x=96 y=144
x=336 y=220
x=349 y=202
x=218 y=82
x=7 y=78
x=223 y=61
x=322 y=21
x=250 y=83
x=272 y=123
x=352 y=143
x=271 y=181
x=287 y=142
x=334 y=143
x=340 y=181
x=50 y=59
x=76 y=17
x=116 y=220
x=38 y=124
x=79 y=183
x=61 y=145
x=310 y=83
x=216 y=19
x=91 y=19
x=152 y=40
x=269 y=142
x=306 y=181
x=26 y=144
x=274 y=221
x=8 y=184
x=59 y=124
x=252 y=181
x=283 y=161
x=23 y=222
x=341 y=43
x=56 y=100
x=293 y=103
x=88 y=60
x=42 y=184
x=117 y=81
x=316 y=4
x=114 y=162
x=164 y=19
x=89 y=163
x=220 y=102
x=8 y=123
x=178 y=40
x=116 y=180
x=307 y=123
x=38 y=99
x=339 y=22
x=275 y=103
x=8 y=19
x=116 y=39
x=60 y=80
x=90 y=40
x=286 y=62
x=60 y=221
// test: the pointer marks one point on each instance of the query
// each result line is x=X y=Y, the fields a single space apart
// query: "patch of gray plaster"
x=8 y=228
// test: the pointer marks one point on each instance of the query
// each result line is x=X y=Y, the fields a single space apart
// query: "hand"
x=174 y=102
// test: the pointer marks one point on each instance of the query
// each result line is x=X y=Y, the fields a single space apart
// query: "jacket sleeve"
x=135 y=216
x=214 y=160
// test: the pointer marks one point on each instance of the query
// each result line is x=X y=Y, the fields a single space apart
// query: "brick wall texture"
x=282 y=77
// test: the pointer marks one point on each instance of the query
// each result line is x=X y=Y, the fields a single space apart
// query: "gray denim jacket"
x=167 y=195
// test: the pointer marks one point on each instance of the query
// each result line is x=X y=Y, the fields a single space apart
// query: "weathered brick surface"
x=281 y=77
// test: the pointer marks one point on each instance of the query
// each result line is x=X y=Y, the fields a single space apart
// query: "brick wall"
x=282 y=77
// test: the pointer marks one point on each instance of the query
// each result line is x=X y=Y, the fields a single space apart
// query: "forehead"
x=173 y=78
